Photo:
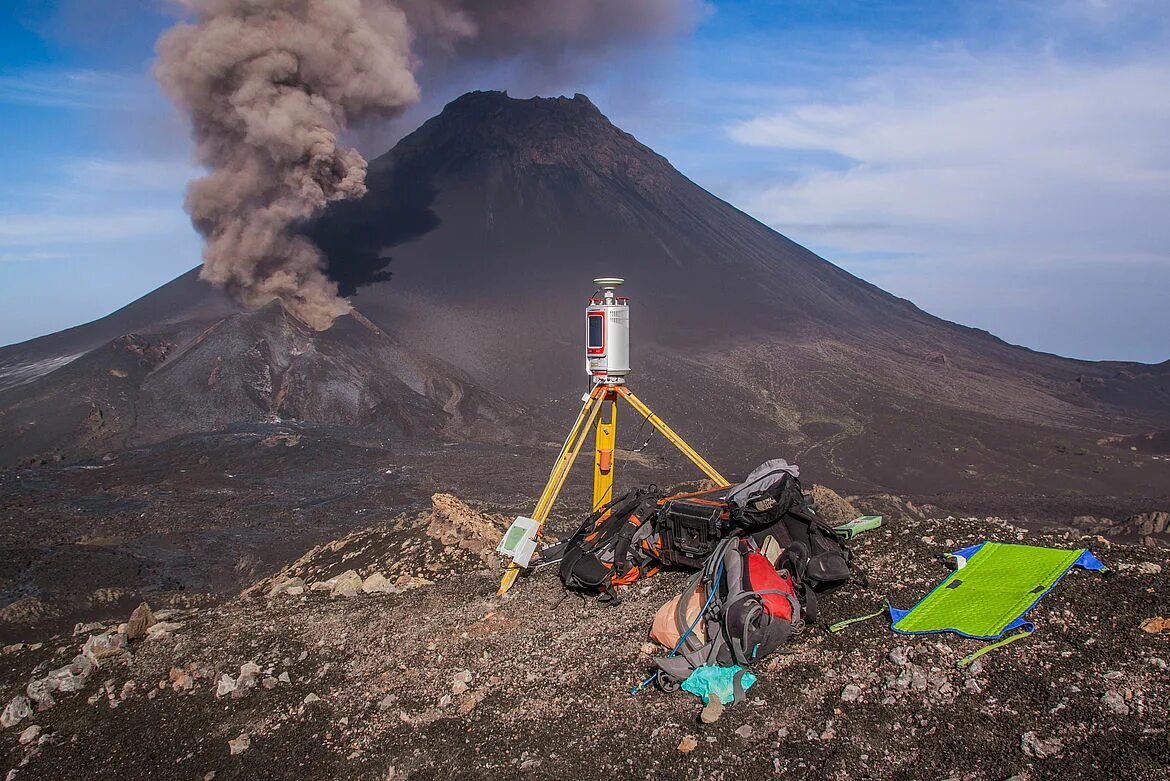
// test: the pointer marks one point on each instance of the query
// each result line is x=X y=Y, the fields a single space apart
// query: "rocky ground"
x=386 y=655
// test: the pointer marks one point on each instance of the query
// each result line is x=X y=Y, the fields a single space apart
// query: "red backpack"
x=750 y=610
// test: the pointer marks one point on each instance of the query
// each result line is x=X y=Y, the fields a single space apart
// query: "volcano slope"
x=467 y=263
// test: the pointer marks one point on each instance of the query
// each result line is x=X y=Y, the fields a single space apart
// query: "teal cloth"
x=714 y=681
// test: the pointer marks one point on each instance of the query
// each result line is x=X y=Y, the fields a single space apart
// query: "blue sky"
x=1004 y=165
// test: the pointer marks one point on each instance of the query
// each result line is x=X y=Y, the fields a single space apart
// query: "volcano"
x=467 y=263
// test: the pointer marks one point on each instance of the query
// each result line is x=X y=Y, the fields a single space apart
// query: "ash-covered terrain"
x=386 y=655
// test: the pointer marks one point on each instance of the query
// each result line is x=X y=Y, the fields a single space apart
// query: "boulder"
x=162 y=630
x=377 y=584
x=40 y=691
x=833 y=508
x=347 y=584
x=141 y=620
x=16 y=711
x=289 y=586
x=106 y=649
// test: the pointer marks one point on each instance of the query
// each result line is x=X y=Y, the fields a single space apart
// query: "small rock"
x=141 y=620
x=851 y=693
x=1149 y=568
x=226 y=685
x=269 y=682
x=180 y=680
x=458 y=687
x=1155 y=625
x=283 y=678
x=240 y=744
x=1115 y=703
x=16 y=711
x=249 y=675
x=688 y=744
x=310 y=698
x=712 y=711
x=975 y=667
x=405 y=582
x=467 y=706
x=387 y=702
x=744 y=731
x=900 y=656
x=649 y=649
x=1032 y=745
x=30 y=734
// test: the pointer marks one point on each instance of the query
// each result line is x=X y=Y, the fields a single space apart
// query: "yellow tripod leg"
x=603 y=454
x=672 y=437
x=568 y=454
x=560 y=471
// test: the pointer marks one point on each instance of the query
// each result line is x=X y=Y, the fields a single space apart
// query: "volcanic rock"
x=15 y=711
x=140 y=621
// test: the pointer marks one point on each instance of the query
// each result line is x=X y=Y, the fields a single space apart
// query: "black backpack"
x=763 y=499
x=613 y=546
x=771 y=503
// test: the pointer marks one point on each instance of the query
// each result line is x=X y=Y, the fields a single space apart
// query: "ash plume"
x=271 y=86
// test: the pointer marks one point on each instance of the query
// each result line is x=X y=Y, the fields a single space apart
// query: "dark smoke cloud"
x=271 y=86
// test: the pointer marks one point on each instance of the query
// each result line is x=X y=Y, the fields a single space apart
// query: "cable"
x=641 y=426
x=686 y=634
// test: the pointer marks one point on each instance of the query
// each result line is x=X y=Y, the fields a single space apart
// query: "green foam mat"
x=992 y=592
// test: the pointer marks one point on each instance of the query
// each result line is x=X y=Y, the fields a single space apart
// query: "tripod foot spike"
x=508 y=579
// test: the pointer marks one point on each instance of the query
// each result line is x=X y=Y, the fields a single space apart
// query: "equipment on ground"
x=847 y=531
x=690 y=525
x=607 y=361
x=750 y=609
x=988 y=596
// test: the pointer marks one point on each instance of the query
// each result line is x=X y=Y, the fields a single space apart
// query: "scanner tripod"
x=605 y=392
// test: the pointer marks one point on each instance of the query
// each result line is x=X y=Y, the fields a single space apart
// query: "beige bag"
x=666 y=631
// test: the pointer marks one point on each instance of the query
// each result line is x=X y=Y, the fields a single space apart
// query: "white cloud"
x=74 y=89
x=140 y=175
x=53 y=230
x=965 y=168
